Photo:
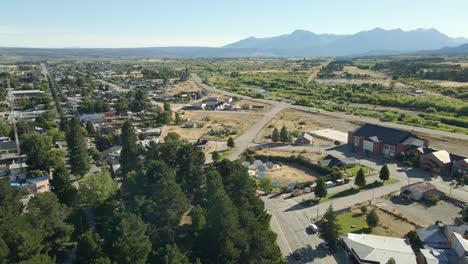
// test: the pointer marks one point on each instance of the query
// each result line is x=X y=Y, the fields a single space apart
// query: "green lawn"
x=355 y=170
x=346 y=220
x=227 y=153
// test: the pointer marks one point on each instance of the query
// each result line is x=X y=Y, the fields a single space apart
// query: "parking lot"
x=418 y=212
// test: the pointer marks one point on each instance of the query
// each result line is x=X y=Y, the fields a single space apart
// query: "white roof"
x=463 y=242
x=381 y=248
x=442 y=155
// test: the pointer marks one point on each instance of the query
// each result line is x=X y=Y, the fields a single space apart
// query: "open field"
x=188 y=86
x=289 y=173
x=293 y=120
x=370 y=73
x=447 y=84
x=234 y=121
x=355 y=222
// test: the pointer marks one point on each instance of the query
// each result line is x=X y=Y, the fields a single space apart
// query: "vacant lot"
x=293 y=120
x=233 y=121
x=290 y=173
x=355 y=222
x=419 y=213
x=314 y=156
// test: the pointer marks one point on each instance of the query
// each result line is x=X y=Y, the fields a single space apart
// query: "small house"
x=421 y=190
x=304 y=139
x=39 y=185
x=439 y=160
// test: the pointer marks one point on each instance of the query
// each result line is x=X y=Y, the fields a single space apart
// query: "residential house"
x=39 y=185
x=27 y=93
x=383 y=140
x=419 y=190
x=93 y=118
x=439 y=160
x=304 y=139
x=363 y=248
x=444 y=243
x=154 y=131
x=461 y=166
x=17 y=171
x=332 y=161
x=8 y=147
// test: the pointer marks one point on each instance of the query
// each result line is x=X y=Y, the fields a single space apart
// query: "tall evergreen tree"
x=275 y=136
x=372 y=219
x=223 y=239
x=321 y=188
x=77 y=150
x=360 y=178
x=330 y=229
x=130 y=242
x=62 y=186
x=129 y=154
x=231 y=143
x=384 y=174
x=284 y=135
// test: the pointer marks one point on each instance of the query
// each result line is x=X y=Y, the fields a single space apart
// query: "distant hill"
x=300 y=43
x=305 y=43
x=462 y=49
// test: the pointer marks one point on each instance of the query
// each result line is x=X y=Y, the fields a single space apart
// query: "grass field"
x=354 y=170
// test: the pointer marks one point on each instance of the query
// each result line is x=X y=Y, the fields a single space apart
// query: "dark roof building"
x=383 y=140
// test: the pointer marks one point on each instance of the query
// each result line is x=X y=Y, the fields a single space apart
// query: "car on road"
x=313 y=227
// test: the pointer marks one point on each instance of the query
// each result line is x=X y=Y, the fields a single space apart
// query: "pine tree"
x=284 y=135
x=372 y=219
x=321 y=188
x=275 y=136
x=77 y=150
x=130 y=243
x=128 y=155
x=62 y=186
x=360 y=178
x=231 y=143
x=384 y=174
x=90 y=129
x=330 y=229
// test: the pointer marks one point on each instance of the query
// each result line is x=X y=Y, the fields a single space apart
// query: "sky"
x=152 y=23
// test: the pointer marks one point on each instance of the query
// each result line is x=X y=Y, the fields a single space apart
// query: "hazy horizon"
x=144 y=23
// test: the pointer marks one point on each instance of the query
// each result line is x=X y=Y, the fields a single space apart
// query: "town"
x=337 y=187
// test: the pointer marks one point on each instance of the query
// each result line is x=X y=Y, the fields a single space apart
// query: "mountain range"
x=300 y=43
x=375 y=41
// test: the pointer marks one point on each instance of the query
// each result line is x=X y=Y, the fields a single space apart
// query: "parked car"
x=296 y=192
x=307 y=190
x=313 y=227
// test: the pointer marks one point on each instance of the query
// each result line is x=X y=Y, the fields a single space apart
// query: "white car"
x=313 y=227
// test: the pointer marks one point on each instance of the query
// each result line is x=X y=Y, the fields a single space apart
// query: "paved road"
x=335 y=114
x=116 y=88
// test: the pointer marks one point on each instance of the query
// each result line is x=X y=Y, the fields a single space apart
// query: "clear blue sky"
x=143 y=23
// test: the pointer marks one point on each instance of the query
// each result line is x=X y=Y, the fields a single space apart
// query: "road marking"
x=282 y=233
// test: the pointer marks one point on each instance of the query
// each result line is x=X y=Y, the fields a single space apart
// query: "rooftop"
x=383 y=134
x=380 y=248
x=421 y=186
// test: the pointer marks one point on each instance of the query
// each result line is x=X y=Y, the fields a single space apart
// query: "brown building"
x=439 y=160
x=383 y=140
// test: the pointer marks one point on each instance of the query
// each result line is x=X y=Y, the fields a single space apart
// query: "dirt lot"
x=188 y=86
x=287 y=174
x=313 y=156
x=417 y=212
x=455 y=146
x=234 y=121
x=293 y=120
